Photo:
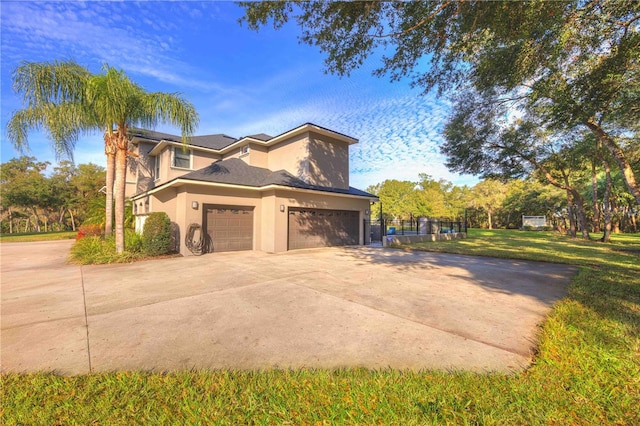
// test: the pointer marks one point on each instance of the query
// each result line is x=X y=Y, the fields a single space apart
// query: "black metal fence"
x=375 y=229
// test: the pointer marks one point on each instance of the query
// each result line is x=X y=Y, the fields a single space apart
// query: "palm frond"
x=64 y=123
x=173 y=109
x=43 y=82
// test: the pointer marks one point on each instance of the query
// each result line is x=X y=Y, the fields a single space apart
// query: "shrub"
x=156 y=235
x=96 y=250
x=527 y=228
x=89 y=230
x=132 y=241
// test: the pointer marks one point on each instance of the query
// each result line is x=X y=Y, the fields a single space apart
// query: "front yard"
x=586 y=371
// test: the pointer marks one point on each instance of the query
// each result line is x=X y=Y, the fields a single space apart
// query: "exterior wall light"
x=194 y=205
x=366 y=212
x=282 y=208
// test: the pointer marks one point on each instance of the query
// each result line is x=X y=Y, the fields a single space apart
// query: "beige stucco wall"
x=291 y=155
x=270 y=228
x=257 y=155
x=199 y=160
x=328 y=162
x=314 y=158
x=202 y=159
x=139 y=177
x=186 y=215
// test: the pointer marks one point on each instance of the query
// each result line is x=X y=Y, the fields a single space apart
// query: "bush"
x=132 y=241
x=156 y=235
x=96 y=250
x=89 y=230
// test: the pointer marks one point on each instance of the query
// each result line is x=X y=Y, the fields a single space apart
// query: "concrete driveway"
x=322 y=308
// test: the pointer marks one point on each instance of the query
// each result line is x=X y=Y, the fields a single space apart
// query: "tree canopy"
x=570 y=64
x=67 y=101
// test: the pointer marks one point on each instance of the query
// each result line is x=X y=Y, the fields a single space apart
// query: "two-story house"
x=258 y=192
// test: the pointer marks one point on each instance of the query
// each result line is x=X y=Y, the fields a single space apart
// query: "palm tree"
x=67 y=101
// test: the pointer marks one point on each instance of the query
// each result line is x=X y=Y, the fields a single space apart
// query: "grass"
x=586 y=370
x=40 y=236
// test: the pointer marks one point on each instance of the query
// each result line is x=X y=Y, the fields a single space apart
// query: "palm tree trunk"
x=121 y=169
x=111 y=165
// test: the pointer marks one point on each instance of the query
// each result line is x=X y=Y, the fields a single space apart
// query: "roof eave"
x=181 y=181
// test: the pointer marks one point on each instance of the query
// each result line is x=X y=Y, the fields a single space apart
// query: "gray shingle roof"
x=236 y=172
x=261 y=137
x=217 y=141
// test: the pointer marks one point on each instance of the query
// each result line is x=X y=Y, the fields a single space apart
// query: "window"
x=181 y=159
x=244 y=150
x=156 y=171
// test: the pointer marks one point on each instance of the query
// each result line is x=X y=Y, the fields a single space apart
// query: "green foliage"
x=67 y=101
x=89 y=230
x=585 y=371
x=426 y=198
x=60 y=200
x=96 y=250
x=156 y=235
x=132 y=241
x=24 y=184
x=565 y=66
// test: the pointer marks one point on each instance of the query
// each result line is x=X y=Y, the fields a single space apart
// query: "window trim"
x=245 y=150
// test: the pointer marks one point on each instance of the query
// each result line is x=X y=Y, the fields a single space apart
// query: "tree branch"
x=418 y=25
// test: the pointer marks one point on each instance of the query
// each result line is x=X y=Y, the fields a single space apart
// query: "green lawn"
x=586 y=370
x=41 y=236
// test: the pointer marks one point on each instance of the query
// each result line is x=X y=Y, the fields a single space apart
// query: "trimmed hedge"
x=156 y=234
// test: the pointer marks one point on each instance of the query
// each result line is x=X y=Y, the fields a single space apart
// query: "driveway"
x=320 y=308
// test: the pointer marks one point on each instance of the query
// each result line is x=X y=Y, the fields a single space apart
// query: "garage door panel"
x=310 y=228
x=230 y=228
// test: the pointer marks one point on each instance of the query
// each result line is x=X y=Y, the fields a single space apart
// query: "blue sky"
x=241 y=82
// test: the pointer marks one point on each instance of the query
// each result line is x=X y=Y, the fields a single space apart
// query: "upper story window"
x=156 y=169
x=244 y=150
x=181 y=159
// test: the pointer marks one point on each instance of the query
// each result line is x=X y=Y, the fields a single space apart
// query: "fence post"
x=465 y=221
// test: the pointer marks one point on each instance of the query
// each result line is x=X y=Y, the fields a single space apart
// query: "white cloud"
x=94 y=32
x=399 y=131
